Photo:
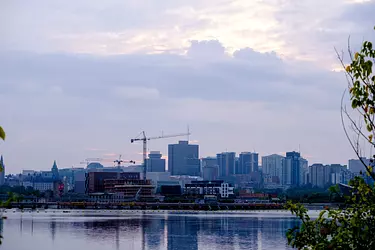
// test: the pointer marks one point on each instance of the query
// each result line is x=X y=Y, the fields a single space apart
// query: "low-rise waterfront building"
x=219 y=188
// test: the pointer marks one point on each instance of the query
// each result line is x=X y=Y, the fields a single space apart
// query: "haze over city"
x=80 y=79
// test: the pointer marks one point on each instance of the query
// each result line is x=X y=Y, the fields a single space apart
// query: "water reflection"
x=145 y=231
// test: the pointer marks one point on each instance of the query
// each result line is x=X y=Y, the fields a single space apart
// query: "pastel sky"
x=79 y=79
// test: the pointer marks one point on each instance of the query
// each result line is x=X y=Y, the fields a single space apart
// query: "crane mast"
x=144 y=140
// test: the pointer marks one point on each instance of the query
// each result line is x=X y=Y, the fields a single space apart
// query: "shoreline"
x=119 y=213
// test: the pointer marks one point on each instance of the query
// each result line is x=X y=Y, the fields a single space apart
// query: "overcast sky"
x=79 y=79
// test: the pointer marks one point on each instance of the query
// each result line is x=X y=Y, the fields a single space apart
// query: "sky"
x=79 y=79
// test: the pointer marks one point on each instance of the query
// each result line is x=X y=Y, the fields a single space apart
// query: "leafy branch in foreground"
x=351 y=227
x=2 y=133
x=2 y=136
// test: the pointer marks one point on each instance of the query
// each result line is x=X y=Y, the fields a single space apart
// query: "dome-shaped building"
x=94 y=165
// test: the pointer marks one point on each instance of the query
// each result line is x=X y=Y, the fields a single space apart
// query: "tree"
x=2 y=136
x=2 y=133
x=351 y=227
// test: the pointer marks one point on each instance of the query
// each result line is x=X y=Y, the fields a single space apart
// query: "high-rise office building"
x=2 y=171
x=356 y=166
x=210 y=168
x=183 y=159
x=293 y=169
x=336 y=173
x=254 y=164
x=272 y=165
x=227 y=163
x=154 y=162
x=320 y=175
x=304 y=174
x=247 y=163
x=209 y=162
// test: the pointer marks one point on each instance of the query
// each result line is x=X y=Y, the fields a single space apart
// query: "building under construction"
x=95 y=180
x=130 y=187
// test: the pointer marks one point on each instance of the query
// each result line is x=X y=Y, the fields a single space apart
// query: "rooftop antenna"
x=188 y=133
x=299 y=148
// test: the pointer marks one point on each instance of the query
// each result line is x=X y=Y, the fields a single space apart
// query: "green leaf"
x=2 y=133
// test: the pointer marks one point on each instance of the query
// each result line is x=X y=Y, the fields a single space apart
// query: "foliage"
x=21 y=190
x=351 y=227
x=2 y=133
x=2 y=136
x=361 y=82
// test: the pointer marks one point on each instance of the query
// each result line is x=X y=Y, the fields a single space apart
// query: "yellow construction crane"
x=144 y=139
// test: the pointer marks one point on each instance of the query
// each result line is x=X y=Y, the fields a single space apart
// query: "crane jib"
x=145 y=139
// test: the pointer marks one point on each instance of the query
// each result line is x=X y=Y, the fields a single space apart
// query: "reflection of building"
x=183 y=159
x=219 y=188
x=182 y=232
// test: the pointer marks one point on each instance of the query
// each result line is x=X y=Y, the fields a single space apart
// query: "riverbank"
x=149 y=206
x=119 y=213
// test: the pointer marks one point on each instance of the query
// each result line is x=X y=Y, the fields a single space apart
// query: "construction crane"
x=144 y=139
x=119 y=161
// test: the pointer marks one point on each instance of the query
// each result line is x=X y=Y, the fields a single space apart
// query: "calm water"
x=131 y=230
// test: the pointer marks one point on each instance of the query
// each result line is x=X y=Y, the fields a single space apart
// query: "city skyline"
x=79 y=81
x=113 y=162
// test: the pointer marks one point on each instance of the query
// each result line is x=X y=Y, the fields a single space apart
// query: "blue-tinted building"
x=2 y=171
x=227 y=163
x=155 y=163
x=293 y=169
x=210 y=168
x=248 y=163
x=183 y=159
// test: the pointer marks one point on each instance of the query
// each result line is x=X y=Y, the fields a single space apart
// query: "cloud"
x=138 y=93
x=305 y=29
x=243 y=74
x=95 y=149
x=102 y=102
x=207 y=50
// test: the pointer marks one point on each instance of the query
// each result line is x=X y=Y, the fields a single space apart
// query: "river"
x=144 y=230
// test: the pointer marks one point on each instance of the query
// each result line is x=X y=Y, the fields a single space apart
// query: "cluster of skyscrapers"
x=244 y=170
x=274 y=171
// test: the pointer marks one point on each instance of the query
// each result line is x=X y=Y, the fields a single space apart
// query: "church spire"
x=54 y=165
x=2 y=171
x=2 y=166
x=55 y=171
